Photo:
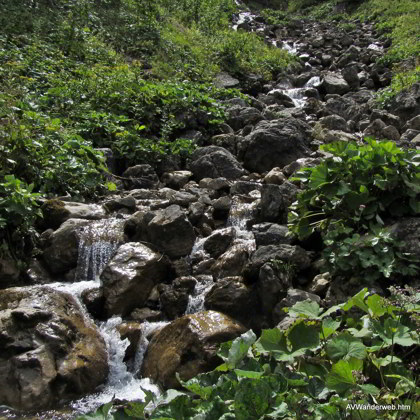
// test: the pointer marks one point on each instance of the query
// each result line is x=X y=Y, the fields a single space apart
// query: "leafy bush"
x=350 y=197
x=358 y=352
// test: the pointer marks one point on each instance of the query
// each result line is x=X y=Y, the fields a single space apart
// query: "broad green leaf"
x=252 y=398
x=202 y=384
x=384 y=361
x=376 y=306
x=239 y=348
x=370 y=389
x=279 y=412
x=303 y=336
x=307 y=309
x=345 y=346
x=393 y=332
x=328 y=327
x=319 y=176
x=357 y=300
x=317 y=388
x=248 y=374
x=341 y=378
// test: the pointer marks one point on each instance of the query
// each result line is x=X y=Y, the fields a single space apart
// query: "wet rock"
x=232 y=262
x=334 y=83
x=214 y=162
x=217 y=243
x=290 y=254
x=232 y=297
x=132 y=331
x=270 y=234
x=174 y=297
x=275 y=201
x=245 y=187
x=94 y=301
x=188 y=346
x=221 y=207
x=171 y=232
x=50 y=353
x=130 y=276
x=37 y=273
x=61 y=255
x=146 y=314
x=140 y=176
x=275 y=144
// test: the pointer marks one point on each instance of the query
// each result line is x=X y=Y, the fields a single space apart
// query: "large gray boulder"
x=49 y=351
x=171 y=232
x=275 y=143
x=188 y=346
x=130 y=276
x=62 y=253
x=215 y=162
x=334 y=83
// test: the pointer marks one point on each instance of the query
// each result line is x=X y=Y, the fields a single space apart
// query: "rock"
x=290 y=254
x=174 y=298
x=334 y=83
x=334 y=122
x=232 y=262
x=239 y=117
x=351 y=76
x=272 y=286
x=140 y=176
x=232 y=297
x=320 y=284
x=270 y=234
x=244 y=187
x=146 y=314
x=132 y=331
x=275 y=201
x=218 y=242
x=375 y=129
x=295 y=166
x=407 y=230
x=50 y=353
x=130 y=276
x=275 y=176
x=406 y=104
x=36 y=273
x=94 y=301
x=414 y=123
x=278 y=97
x=227 y=140
x=391 y=133
x=188 y=346
x=214 y=162
x=386 y=117
x=54 y=213
x=409 y=135
x=216 y=184
x=127 y=202
x=224 y=80
x=275 y=144
x=171 y=232
x=9 y=271
x=221 y=207
x=61 y=255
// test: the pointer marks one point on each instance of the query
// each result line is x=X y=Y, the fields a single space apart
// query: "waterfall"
x=97 y=245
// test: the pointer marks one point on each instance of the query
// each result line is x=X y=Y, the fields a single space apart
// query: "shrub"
x=350 y=197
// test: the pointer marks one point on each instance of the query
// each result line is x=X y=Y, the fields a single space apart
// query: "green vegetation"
x=350 y=197
x=359 y=352
x=127 y=75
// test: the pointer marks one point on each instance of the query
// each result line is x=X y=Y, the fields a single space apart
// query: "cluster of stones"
x=49 y=352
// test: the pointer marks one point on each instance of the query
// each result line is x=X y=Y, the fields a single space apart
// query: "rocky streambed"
x=149 y=282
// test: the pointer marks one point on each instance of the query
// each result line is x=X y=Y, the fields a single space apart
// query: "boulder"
x=188 y=346
x=49 y=351
x=293 y=255
x=176 y=179
x=61 y=255
x=239 y=117
x=270 y=234
x=171 y=232
x=130 y=276
x=406 y=104
x=407 y=230
x=334 y=83
x=218 y=242
x=275 y=201
x=275 y=144
x=140 y=176
x=275 y=176
x=9 y=271
x=214 y=162
x=232 y=262
x=232 y=297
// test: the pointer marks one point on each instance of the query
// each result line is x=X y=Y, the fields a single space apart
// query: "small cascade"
x=196 y=299
x=121 y=384
x=147 y=330
x=290 y=47
x=297 y=95
x=98 y=243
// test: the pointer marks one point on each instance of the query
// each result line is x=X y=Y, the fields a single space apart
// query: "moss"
x=55 y=213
